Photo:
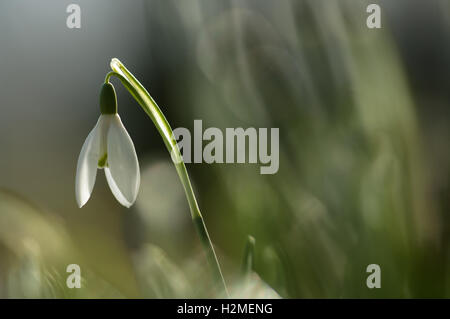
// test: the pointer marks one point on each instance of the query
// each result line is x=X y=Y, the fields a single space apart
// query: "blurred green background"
x=364 y=157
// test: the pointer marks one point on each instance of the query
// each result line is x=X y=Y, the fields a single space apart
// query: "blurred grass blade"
x=249 y=256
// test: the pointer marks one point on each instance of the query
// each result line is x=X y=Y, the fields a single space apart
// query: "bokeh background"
x=364 y=147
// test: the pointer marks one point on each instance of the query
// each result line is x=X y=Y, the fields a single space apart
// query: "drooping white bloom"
x=110 y=147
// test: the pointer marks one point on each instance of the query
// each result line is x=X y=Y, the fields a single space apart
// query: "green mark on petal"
x=102 y=161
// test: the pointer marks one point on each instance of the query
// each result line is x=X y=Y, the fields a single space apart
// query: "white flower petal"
x=87 y=165
x=122 y=163
x=115 y=190
x=103 y=128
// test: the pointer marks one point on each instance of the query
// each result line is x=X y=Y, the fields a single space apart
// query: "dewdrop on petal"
x=110 y=147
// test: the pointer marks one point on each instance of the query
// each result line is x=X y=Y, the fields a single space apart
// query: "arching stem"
x=154 y=112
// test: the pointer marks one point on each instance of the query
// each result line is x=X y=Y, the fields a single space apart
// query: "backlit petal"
x=115 y=190
x=122 y=163
x=87 y=165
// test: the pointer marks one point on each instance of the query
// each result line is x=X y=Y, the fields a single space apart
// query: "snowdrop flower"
x=108 y=146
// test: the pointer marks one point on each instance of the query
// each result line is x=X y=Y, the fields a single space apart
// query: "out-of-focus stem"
x=249 y=256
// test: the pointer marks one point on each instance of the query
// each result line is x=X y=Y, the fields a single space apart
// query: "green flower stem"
x=154 y=112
